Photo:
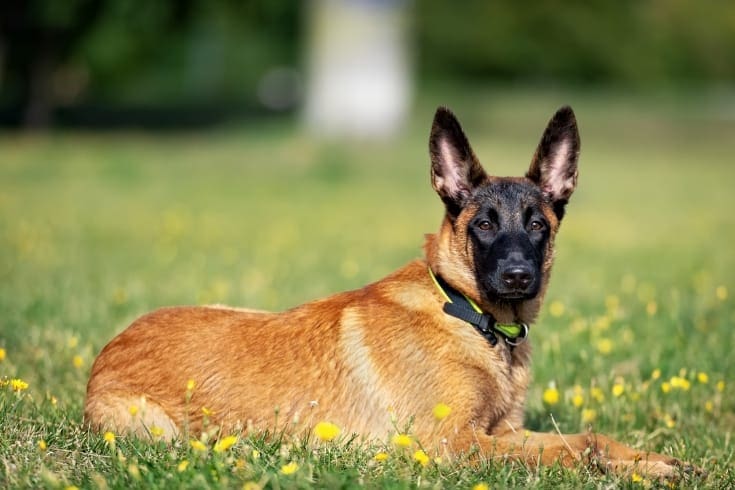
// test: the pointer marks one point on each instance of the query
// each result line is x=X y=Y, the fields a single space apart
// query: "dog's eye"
x=536 y=225
x=485 y=225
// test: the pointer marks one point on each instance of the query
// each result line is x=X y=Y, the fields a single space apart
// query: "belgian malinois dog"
x=451 y=328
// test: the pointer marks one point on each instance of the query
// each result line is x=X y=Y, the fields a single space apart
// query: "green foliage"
x=97 y=229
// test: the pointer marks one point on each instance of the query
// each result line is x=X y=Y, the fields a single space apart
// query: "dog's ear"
x=554 y=166
x=455 y=171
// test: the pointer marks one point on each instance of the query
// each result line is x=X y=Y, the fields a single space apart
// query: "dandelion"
x=604 y=346
x=421 y=457
x=18 y=385
x=251 y=485
x=441 y=411
x=78 y=361
x=556 y=308
x=156 y=431
x=255 y=454
x=207 y=412
x=680 y=383
x=290 y=468
x=402 y=440
x=551 y=395
x=656 y=374
x=197 y=445
x=2 y=354
x=182 y=466
x=578 y=400
x=669 y=421
x=481 y=486
x=133 y=409
x=190 y=385
x=665 y=386
x=71 y=487
x=109 y=438
x=589 y=415
x=651 y=308
x=618 y=389
x=225 y=444
x=703 y=378
x=721 y=293
x=326 y=431
x=380 y=457
x=597 y=394
x=636 y=478
x=720 y=386
x=42 y=445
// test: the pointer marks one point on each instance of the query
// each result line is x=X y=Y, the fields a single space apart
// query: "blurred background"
x=340 y=66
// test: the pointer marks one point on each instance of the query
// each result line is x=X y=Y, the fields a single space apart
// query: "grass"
x=635 y=338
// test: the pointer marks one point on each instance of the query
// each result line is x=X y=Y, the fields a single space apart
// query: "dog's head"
x=496 y=242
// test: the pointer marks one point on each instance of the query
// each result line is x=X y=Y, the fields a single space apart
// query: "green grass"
x=96 y=229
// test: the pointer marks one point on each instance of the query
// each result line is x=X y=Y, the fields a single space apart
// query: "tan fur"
x=360 y=359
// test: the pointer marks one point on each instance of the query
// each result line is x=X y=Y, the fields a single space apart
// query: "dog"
x=450 y=328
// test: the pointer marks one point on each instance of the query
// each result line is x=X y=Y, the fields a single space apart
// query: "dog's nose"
x=517 y=277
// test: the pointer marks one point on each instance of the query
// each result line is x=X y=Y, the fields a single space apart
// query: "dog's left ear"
x=455 y=170
x=554 y=166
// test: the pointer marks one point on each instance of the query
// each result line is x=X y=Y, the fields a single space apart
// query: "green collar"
x=460 y=306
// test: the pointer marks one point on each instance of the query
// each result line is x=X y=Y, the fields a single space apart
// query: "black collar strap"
x=460 y=306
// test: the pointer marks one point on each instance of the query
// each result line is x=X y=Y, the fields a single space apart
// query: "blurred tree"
x=35 y=37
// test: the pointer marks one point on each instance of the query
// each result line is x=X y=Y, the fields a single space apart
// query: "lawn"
x=635 y=339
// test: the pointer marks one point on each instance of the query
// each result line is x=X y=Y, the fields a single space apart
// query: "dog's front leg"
x=570 y=450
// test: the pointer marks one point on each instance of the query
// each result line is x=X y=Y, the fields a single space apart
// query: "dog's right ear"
x=455 y=171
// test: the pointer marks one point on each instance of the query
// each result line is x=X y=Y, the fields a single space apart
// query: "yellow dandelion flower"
x=551 y=396
x=597 y=394
x=651 y=308
x=326 y=431
x=402 y=440
x=133 y=409
x=2 y=354
x=721 y=293
x=577 y=400
x=190 y=385
x=618 y=389
x=207 y=412
x=156 y=431
x=109 y=438
x=381 y=456
x=709 y=406
x=636 y=478
x=18 y=385
x=680 y=383
x=251 y=485
x=71 y=487
x=134 y=471
x=527 y=434
x=703 y=378
x=255 y=454
x=225 y=443
x=604 y=346
x=656 y=374
x=481 y=486
x=720 y=386
x=665 y=386
x=197 y=445
x=556 y=308
x=77 y=361
x=441 y=411
x=589 y=415
x=54 y=400
x=421 y=457
x=42 y=445
x=669 y=421
x=182 y=466
x=290 y=468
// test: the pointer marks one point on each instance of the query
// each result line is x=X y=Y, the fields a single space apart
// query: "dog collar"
x=460 y=306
